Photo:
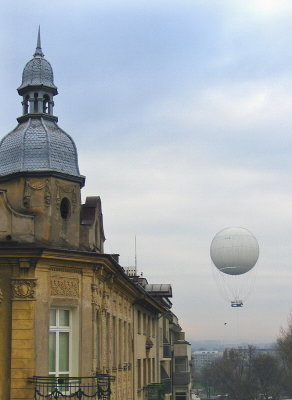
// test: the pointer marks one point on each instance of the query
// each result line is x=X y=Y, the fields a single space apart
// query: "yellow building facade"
x=72 y=321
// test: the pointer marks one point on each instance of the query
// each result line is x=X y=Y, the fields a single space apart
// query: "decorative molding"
x=28 y=187
x=47 y=194
x=68 y=190
x=1 y=296
x=95 y=294
x=104 y=300
x=64 y=269
x=26 y=263
x=23 y=288
x=64 y=287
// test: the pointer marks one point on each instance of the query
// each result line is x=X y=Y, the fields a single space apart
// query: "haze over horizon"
x=181 y=114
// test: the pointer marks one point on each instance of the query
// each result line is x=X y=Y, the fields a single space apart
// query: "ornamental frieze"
x=23 y=288
x=64 y=287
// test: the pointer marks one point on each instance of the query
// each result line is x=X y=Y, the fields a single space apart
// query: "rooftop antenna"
x=135 y=255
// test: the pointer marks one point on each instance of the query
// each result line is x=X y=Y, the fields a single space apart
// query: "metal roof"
x=163 y=289
x=38 y=71
x=38 y=145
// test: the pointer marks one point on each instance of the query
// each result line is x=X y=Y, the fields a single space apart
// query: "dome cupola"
x=37 y=88
x=38 y=71
x=38 y=146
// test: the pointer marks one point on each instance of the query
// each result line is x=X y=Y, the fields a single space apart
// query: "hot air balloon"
x=234 y=252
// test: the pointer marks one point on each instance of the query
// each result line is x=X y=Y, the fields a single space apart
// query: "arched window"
x=36 y=102
x=46 y=104
x=25 y=104
x=65 y=208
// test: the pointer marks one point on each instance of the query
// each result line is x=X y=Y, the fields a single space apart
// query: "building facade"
x=73 y=322
x=205 y=358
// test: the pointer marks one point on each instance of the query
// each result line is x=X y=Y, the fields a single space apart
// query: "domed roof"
x=39 y=145
x=38 y=70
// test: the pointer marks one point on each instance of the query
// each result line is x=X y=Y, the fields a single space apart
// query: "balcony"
x=77 y=388
x=166 y=383
x=166 y=350
x=165 y=380
x=181 y=378
x=154 y=391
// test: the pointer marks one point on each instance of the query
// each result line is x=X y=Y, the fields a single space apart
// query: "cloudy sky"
x=182 y=115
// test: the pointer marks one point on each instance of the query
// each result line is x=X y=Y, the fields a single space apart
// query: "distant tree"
x=284 y=347
x=233 y=374
x=268 y=375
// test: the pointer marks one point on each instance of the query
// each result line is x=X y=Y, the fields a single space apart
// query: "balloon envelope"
x=234 y=251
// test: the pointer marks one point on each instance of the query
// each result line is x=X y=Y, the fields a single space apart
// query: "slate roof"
x=39 y=145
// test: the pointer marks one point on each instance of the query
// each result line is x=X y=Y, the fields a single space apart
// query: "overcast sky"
x=182 y=115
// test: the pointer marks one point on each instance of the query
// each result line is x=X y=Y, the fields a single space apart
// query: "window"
x=144 y=324
x=120 y=350
x=125 y=352
x=148 y=325
x=98 y=341
x=108 y=344
x=139 y=321
x=144 y=371
x=60 y=342
x=149 y=369
x=180 y=395
x=114 y=347
x=129 y=344
x=153 y=327
x=65 y=208
x=25 y=105
x=46 y=104
x=180 y=364
x=139 y=373
x=35 y=102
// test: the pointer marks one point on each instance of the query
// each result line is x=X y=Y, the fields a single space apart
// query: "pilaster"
x=22 y=338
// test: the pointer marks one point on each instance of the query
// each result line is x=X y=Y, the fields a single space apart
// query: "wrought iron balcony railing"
x=166 y=382
x=154 y=391
x=181 y=378
x=53 y=388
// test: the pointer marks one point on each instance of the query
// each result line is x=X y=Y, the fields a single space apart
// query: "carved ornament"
x=28 y=187
x=95 y=294
x=68 y=190
x=64 y=287
x=23 y=288
x=1 y=296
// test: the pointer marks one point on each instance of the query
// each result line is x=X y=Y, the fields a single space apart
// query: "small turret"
x=39 y=174
x=37 y=88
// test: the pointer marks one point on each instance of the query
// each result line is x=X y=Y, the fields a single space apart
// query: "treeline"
x=246 y=374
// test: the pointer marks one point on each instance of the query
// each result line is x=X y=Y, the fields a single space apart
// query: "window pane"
x=63 y=351
x=64 y=317
x=180 y=365
x=52 y=352
x=180 y=396
x=52 y=317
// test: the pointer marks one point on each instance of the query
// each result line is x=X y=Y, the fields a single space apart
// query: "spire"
x=38 y=50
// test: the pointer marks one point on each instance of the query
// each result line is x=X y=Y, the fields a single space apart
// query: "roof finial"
x=38 y=50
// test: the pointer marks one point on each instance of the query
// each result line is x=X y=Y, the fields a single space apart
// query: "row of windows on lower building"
x=146 y=324
x=145 y=371
x=112 y=342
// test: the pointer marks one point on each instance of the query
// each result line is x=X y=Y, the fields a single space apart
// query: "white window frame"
x=59 y=329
